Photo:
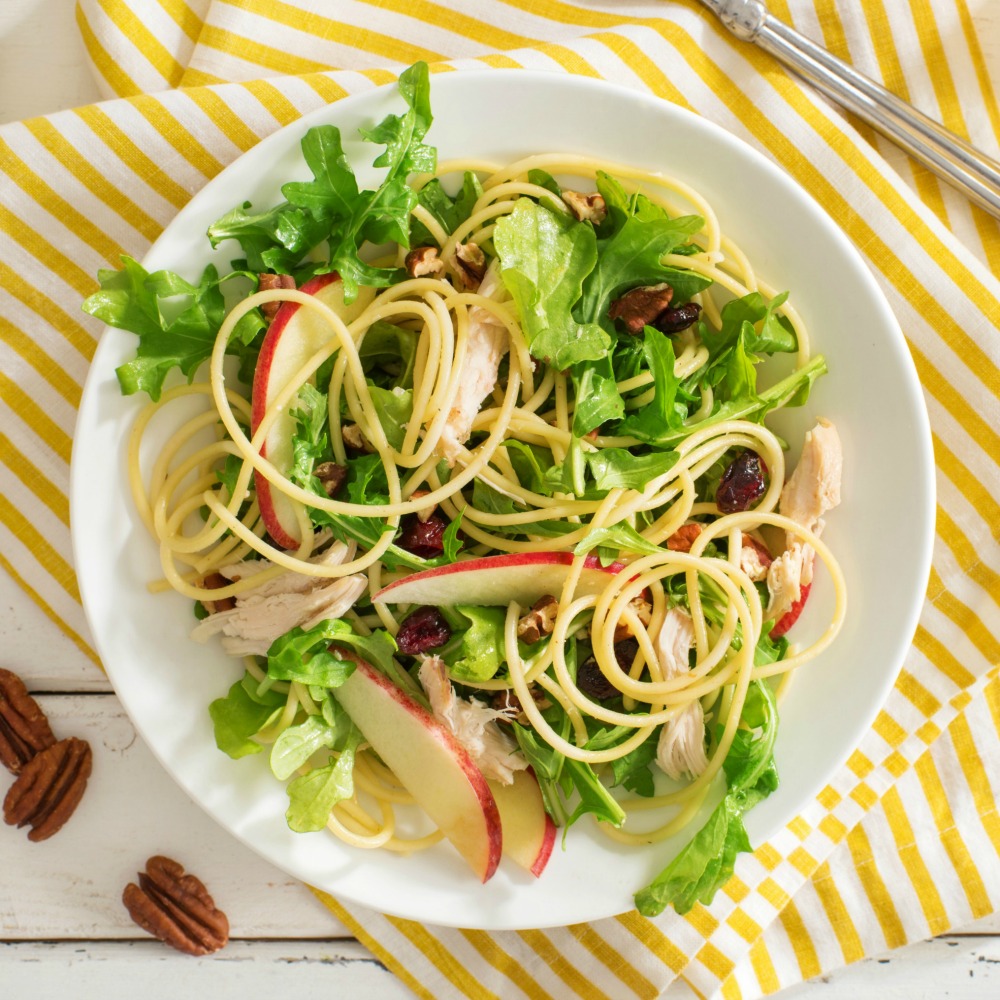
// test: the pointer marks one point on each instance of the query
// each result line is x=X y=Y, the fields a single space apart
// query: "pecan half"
x=586 y=207
x=268 y=282
x=214 y=581
x=422 y=262
x=641 y=306
x=469 y=263
x=683 y=538
x=24 y=730
x=49 y=788
x=332 y=477
x=176 y=908
x=354 y=441
x=539 y=621
x=643 y=609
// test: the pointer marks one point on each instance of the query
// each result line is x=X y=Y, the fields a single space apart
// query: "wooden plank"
x=70 y=886
x=115 y=970
x=960 y=968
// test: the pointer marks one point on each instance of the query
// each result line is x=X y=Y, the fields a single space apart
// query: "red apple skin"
x=529 y=832
x=281 y=337
x=426 y=757
x=496 y=580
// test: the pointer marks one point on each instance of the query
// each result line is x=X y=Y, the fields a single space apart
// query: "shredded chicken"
x=681 y=747
x=288 y=600
x=486 y=345
x=754 y=559
x=812 y=489
x=472 y=723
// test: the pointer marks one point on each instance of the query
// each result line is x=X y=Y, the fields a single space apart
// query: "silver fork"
x=940 y=150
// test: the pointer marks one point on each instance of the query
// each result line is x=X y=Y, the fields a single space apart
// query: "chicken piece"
x=486 y=345
x=811 y=490
x=472 y=723
x=681 y=747
x=754 y=559
x=814 y=487
x=291 y=599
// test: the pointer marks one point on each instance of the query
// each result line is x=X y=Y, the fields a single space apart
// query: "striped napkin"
x=903 y=844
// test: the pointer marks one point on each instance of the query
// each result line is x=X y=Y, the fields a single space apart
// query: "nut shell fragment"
x=49 y=788
x=176 y=908
x=24 y=729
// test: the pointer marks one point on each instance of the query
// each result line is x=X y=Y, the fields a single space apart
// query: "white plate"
x=872 y=394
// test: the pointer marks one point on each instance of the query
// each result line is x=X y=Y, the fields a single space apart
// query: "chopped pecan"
x=539 y=621
x=425 y=512
x=423 y=262
x=332 y=477
x=683 y=538
x=586 y=207
x=24 y=730
x=354 y=440
x=49 y=788
x=641 y=306
x=643 y=609
x=176 y=908
x=213 y=582
x=268 y=282
x=469 y=263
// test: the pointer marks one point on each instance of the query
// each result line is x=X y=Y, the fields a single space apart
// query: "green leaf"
x=449 y=212
x=621 y=537
x=596 y=399
x=238 y=717
x=633 y=770
x=595 y=799
x=394 y=408
x=664 y=415
x=176 y=322
x=312 y=796
x=481 y=651
x=618 y=467
x=303 y=655
x=296 y=744
x=707 y=862
x=545 y=257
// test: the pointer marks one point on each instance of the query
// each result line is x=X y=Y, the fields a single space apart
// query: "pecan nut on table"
x=176 y=908
x=51 y=775
x=24 y=730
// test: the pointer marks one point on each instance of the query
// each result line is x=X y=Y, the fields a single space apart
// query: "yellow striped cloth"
x=904 y=841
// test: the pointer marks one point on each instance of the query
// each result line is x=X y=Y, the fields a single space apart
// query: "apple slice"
x=429 y=762
x=528 y=830
x=296 y=333
x=497 y=580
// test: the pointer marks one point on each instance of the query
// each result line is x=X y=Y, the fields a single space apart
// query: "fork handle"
x=948 y=155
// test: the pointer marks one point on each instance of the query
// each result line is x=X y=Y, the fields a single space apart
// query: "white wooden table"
x=63 y=930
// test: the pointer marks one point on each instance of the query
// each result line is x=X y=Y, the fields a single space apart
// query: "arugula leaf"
x=594 y=796
x=238 y=716
x=621 y=537
x=296 y=744
x=331 y=208
x=618 y=467
x=176 y=322
x=741 y=316
x=480 y=651
x=544 y=258
x=449 y=212
x=665 y=414
x=312 y=796
x=707 y=862
x=303 y=655
x=394 y=408
x=596 y=399
x=391 y=349
x=633 y=770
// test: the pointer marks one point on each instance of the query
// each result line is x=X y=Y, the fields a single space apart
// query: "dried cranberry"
x=742 y=484
x=592 y=682
x=677 y=318
x=423 y=538
x=424 y=629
